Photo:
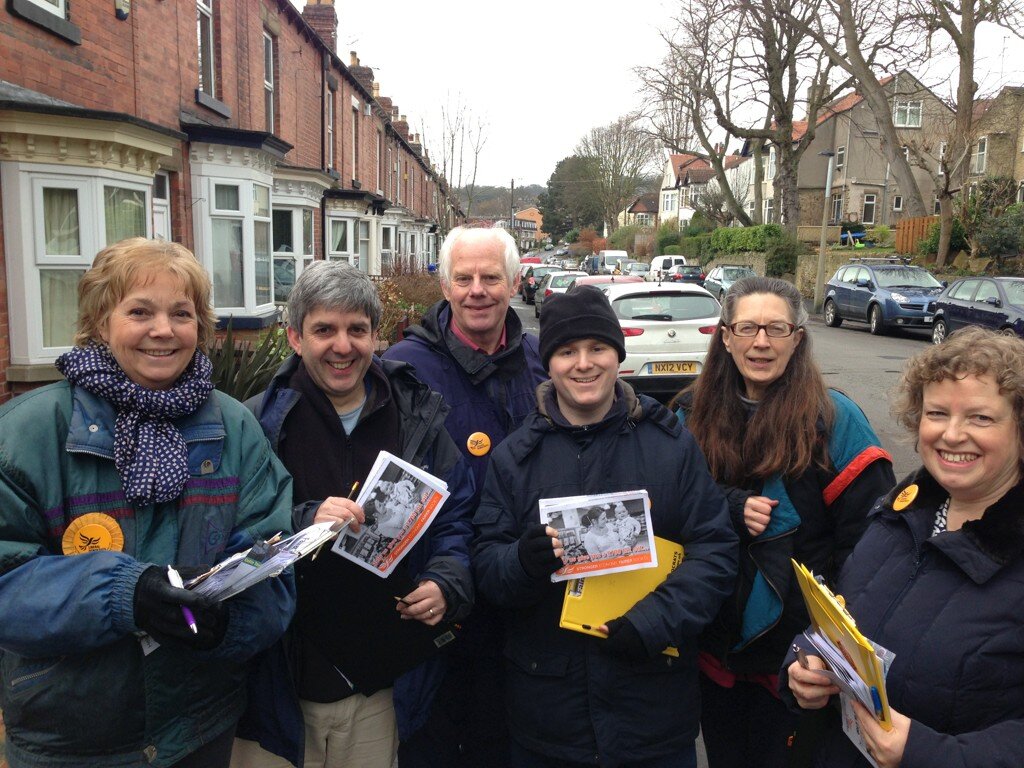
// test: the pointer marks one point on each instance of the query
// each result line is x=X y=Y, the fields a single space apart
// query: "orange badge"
x=905 y=497
x=478 y=444
x=92 y=532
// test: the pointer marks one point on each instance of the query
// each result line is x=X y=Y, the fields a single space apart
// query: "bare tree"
x=876 y=35
x=753 y=87
x=623 y=156
x=462 y=133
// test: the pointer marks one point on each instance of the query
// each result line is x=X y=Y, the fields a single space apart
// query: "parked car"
x=531 y=279
x=668 y=329
x=662 y=265
x=720 y=279
x=638 y=268
x=883 y=293
x=556 y=281
x=603 y=281
x=991 y=302
x=680 y=274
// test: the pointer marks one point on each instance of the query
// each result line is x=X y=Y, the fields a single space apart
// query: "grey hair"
x=477 y=234
x=334 y=285
x=773 y=285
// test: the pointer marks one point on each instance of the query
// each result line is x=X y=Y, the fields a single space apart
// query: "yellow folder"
x=829 y=616
x=596 y=600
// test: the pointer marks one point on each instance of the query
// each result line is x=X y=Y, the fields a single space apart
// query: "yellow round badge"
x=905 y=497
x=478 y=444
x=92 y=532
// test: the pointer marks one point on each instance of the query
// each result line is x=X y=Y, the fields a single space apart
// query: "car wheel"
x=832 y=318
x=875 y=323
x=939 y=332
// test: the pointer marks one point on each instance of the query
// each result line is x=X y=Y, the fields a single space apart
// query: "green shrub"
x=780 y=256
x=741 y=239
x=698 y=225
x=697 y=249
x=624 y=238
x=957 y=243
x=673 y=250
x=242 y=369
x=1003 y=235
x=880 y=234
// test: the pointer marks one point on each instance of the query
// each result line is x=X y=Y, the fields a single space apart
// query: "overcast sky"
x=542 y=74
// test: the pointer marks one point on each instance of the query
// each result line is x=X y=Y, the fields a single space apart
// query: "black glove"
x=624 y=641
x=157 y=606
x=536 y=553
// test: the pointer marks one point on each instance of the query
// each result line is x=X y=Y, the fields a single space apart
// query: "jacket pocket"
x=536 y=663
x=22 y=676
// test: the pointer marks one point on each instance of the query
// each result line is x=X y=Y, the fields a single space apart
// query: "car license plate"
x=662 y=368
x=929 y=319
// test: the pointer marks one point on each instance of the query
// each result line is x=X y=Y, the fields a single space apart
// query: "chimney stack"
x=323 y=19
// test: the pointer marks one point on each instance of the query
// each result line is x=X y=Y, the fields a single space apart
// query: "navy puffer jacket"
x=567 y=698
x=951 y=607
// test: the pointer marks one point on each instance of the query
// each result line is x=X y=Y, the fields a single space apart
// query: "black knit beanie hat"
x=581 y=313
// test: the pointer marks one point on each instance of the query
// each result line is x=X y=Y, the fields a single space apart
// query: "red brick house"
x=230 y=126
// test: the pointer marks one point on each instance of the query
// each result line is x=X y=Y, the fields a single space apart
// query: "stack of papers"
x=264 y=560
x=855 y=664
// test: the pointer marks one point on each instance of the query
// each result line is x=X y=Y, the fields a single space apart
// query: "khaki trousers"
x=357 y=732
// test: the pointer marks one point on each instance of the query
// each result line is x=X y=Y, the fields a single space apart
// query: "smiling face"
x=336 y=347
x=583 y=373
x=153 y=331
x=761 y=360
x=969 y=439
x=479 y=290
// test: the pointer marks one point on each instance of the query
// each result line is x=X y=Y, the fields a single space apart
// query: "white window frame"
x=979 y=156
x=905 y=111
x=206 y=8
x=870 y=200
x=840 y=158
x=268 y=80
x=942 y=156
x=349 y=255
x=897 y=202
x=837 y=208
x=329 y=124
x=379 y=159
x=388 y=245
x=772 y=164
x=22 y=186
x=1020 y=193
x=301 y=252
x=162 y=207
x=58 y=8
x=768 y=212
x=355 y=138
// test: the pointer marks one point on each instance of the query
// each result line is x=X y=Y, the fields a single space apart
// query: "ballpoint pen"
x=877 y=701
x=351 y=493
x=175 y=578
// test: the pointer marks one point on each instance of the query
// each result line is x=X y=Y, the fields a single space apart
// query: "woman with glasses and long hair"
x=801 y=467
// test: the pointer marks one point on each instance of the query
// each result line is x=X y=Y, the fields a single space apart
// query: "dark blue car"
x=884 y=293
x=991 y=302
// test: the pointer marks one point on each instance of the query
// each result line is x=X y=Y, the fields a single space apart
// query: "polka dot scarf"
x=149 y=451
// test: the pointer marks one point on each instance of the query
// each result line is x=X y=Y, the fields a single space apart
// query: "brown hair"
x=970 y=351
x=782 y=436
x=119 y=267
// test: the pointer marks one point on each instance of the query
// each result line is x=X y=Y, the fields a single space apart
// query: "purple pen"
x=175 y=578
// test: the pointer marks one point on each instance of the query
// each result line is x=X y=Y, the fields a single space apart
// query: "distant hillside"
x=494 y=201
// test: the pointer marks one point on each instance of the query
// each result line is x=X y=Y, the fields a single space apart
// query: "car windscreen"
x=736 y=274
x=1015 y=292
x=905 y=277
x=665 y=306
x=561 y=281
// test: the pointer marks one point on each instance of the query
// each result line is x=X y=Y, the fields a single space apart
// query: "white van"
x=608 y=261
x=662 y=265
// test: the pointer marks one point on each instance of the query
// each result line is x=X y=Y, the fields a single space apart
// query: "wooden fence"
x=910 y=232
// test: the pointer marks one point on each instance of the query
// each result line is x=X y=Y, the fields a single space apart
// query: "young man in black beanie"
x=574 y=699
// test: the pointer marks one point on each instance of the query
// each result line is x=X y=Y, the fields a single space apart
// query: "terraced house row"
x=231 y=126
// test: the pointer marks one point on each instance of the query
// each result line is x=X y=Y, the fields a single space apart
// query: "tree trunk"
x=945 y=228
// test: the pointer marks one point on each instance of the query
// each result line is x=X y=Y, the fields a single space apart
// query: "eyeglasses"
x=776 y=330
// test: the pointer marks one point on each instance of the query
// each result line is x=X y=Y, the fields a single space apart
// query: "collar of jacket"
x=984 y=546
x=433 y=329
x=93 y=418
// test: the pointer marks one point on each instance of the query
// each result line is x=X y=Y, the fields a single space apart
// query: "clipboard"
x=592 y=601
x=830 y=618
x=349 y=614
